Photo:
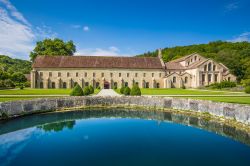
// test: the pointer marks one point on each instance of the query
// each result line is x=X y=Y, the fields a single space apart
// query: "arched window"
x=205 y=68
x=115 y=84
x=157 y=85
x=209 y=67
x=229 y=78
x=53 y=85
x=147 y=84
x=174 y=79
x=64 y=85
x=126 y=84
x=214 y=67
x=41 y=85
x=186 y=80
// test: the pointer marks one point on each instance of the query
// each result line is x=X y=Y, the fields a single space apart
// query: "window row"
x=59 y=74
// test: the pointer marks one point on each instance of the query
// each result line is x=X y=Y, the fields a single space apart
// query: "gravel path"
x=107 y=92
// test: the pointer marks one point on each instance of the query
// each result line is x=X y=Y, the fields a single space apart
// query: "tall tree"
x=53 y=47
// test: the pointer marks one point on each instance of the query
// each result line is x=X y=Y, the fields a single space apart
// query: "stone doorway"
x=106 y=85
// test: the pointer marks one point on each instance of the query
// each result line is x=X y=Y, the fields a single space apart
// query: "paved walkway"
x=107 y=92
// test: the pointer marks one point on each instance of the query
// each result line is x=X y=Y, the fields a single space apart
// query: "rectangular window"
x=144 y=74
x=59 y=74
x=136 y=74
x=153 y=74
x=68 y=74
x=102 y=74
x=215 y=77
x=159 y=74
x=209 y=77
x=93 y=74
x=50 y=74
x=41 y=74
x=120 y=74
x=127 y=74
x=111 y=74
x=76 y=74
x=85 y=74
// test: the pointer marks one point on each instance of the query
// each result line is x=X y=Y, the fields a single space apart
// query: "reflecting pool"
x=121 y=137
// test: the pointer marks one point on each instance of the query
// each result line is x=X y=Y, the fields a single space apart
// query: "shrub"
x=223 y=84
x=246 y=82
x=183 y=87
x=86 y=91
x=247 y=89
x=135 y=91
x=98 y=87
x=115 y=87
x=27 y=84
x=91 y=89
x=127 y=91
x=122 y=90
x=77 y=91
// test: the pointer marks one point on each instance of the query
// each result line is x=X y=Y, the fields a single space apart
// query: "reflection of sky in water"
x=12 y=144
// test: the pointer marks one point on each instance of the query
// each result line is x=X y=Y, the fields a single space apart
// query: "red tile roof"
x=97 y=62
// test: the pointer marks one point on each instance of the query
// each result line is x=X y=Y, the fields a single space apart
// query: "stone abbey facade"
x=191 y=71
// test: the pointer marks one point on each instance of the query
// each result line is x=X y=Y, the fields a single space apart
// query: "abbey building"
x=191 y=71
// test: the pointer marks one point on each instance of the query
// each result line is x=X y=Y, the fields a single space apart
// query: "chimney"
x=159 y=53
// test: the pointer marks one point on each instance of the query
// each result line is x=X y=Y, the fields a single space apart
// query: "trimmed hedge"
x=223 y=84
x=91 y=89
x=86 y=91
x=77 y=91
x=127 y=91
x=247 y=89
x=122 y=90
x=135 y=91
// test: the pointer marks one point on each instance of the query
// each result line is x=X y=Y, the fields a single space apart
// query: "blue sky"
x=120 y=27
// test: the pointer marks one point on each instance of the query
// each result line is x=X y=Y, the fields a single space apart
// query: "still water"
x=121 y=138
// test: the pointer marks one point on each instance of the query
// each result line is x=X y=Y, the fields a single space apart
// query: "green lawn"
x=240 y=100
x=4 y=99
x=38 y=91
x=184 y=92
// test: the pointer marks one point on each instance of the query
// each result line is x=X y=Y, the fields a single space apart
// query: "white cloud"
x=75 y=26
x=86 y=28
x=231 y=6
x=17 y=36
x=242 y=37
x=14 y=12
x=111 y=51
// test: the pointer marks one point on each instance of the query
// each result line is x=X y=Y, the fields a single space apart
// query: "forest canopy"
x=236 y=56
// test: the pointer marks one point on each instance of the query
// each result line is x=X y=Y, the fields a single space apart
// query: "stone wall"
x=240 y=113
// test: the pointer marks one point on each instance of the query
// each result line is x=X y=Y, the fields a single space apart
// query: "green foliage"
x=10 y=65
x=122 y=89
x=86 y=91
x=6 y=84
x=57 y=126
x=76 y=91
x=236 y=56
x=223 y=84
x=135 y=91
x=18 y=78
x=247 y=89
x=53 y=47
x=127 y=91
x=246 y=82
x=91 y=89
x=98 y=87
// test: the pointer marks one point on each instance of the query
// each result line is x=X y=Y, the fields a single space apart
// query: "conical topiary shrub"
x=135 y=91
x=86 y=91
x=76 y=91
x=122 y=89
x=127 y=91
x=91 y=89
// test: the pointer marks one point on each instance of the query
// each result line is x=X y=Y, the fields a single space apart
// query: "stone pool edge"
x=228 y=111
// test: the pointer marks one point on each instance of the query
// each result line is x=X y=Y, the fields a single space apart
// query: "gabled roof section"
x=184 y=58
x=97 y=62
